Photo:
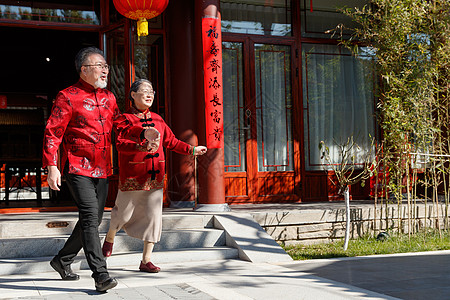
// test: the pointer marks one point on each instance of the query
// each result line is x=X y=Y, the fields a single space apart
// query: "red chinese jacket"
x=138 y=168
x=82 y=119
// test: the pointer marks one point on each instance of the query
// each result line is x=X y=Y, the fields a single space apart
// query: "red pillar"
x=211 y=183
x=180 y=15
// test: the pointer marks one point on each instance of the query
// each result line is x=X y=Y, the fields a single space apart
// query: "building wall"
x=312 y=225
x=293 y=35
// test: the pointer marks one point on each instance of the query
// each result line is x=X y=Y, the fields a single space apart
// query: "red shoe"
x=149 y=267
x=107 y=249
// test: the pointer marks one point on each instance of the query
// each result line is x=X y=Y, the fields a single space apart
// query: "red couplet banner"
x=212 y=70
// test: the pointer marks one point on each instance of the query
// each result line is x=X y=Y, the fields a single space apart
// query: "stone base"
x=182 y=204
x=212 y=207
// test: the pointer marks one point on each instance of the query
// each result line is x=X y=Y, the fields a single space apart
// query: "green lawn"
x=423 y=241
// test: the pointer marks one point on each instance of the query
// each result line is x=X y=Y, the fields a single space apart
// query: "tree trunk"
x=347 y=217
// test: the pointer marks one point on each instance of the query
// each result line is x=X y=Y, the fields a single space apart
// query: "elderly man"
x=82 y=119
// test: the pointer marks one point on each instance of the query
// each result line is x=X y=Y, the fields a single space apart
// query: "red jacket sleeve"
x=128 y=136
x=126 y=129
x=172 y=143
x=127 y=146
x=55 y=128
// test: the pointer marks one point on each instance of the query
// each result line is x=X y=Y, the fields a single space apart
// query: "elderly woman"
x=138 y=207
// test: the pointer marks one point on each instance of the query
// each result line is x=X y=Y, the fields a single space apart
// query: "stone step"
x=42 y=264
x=170 y=239
x=54 y=224
x=173 y=239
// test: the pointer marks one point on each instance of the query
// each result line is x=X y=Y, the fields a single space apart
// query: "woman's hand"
x=153 y=137
x=199 y=150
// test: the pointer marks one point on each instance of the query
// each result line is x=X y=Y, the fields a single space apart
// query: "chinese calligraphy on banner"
x=212 y=69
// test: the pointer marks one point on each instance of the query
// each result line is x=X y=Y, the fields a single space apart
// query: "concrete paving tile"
x=264 y=281
x=349 y=276
x=73 y=296
x=395 y=275
x=383 y=285
x=25 y=289
x=223 y=280
x=163 y=292
x=421 y=283
x=47 y=284
x=219 y=292
x=21 y=286
x=428 y=294
x=184 y=291
x=145 y=292
x=55 y=285
x=168 y=275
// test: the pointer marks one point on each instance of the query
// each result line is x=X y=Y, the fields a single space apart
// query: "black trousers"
x=90 y=196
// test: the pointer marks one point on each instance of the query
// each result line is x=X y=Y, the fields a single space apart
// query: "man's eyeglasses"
x=100 y=66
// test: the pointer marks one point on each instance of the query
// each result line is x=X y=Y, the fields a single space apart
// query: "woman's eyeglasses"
x=147 y=93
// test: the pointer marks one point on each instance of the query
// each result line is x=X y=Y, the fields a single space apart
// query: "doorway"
x=37 y=63
x=40 y=61
x=258 y=122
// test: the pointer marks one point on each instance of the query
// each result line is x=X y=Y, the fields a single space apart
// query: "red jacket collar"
x=140 y=114
x=86 y=86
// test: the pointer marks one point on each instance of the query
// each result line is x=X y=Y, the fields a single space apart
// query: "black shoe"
x=66 y=272
x=109 y=283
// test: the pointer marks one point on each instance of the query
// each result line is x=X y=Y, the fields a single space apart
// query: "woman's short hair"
x=136 y=85
x=83 y=55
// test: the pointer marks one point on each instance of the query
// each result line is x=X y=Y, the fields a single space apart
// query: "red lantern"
x=141 y=10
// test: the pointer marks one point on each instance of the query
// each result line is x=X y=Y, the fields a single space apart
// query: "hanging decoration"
x=141 y=11
x=3 y=102
x=212 y=68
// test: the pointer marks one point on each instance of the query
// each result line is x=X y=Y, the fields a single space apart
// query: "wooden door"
x=258 y=122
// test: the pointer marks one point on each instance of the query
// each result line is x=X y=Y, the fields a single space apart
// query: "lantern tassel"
x=142 y=27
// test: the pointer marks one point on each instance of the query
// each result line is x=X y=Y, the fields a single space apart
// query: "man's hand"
x=153 y=137
x=53 y=178
x=200 y=150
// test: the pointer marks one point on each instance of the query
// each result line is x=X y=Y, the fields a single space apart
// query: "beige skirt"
x=139 y=213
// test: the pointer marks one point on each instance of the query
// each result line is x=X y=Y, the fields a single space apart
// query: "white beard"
x=101 y=84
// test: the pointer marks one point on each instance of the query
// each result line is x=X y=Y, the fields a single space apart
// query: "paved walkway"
x=231 y=279
x=405 y=276
x=423 y=275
